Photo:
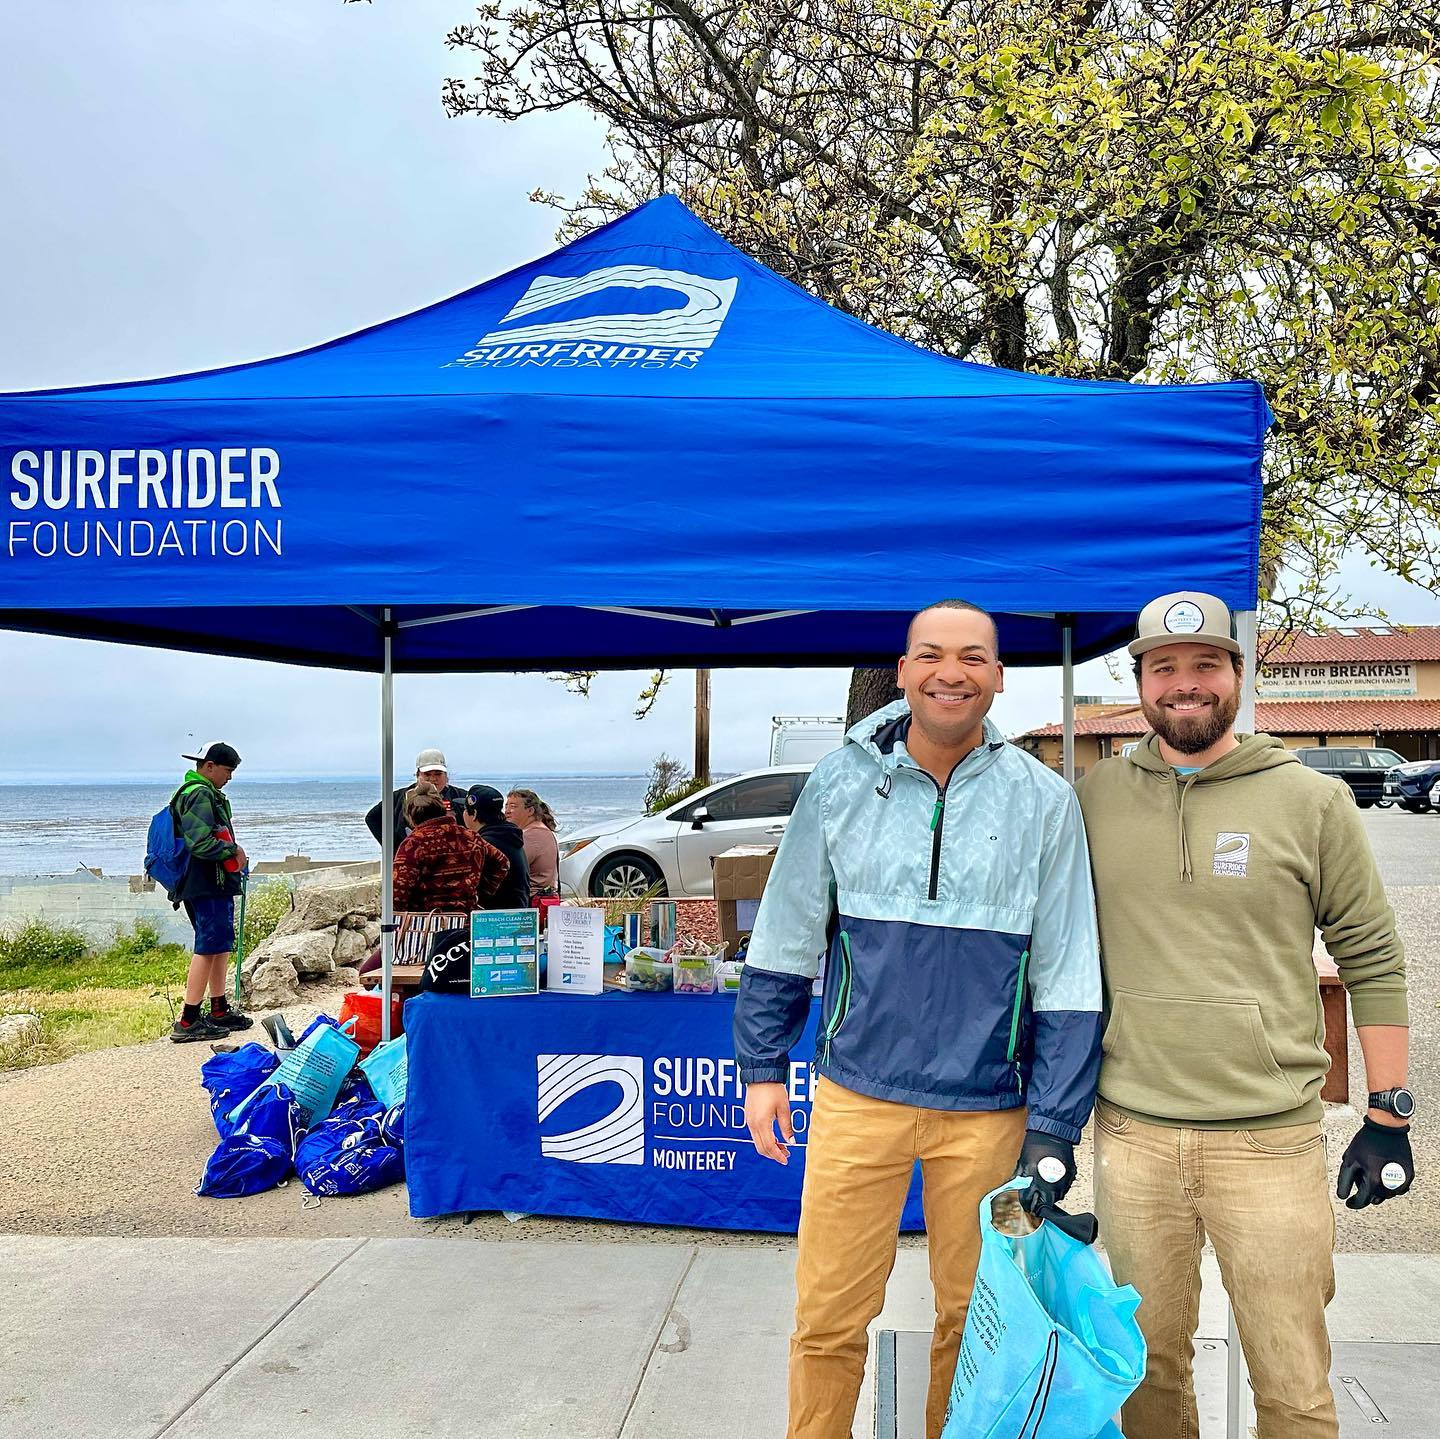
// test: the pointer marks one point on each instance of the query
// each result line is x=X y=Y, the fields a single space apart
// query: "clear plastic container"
x=648 y=971
x=695 y=973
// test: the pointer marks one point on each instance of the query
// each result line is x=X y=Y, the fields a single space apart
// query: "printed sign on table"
x=575 y=957
x=504 y=952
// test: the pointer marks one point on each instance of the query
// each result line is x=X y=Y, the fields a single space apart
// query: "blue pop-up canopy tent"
x=643 y=449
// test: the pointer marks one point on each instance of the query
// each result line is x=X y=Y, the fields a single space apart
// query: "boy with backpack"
x=202 y=870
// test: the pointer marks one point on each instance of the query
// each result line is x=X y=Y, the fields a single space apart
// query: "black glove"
x=1050 y=1163
x=1377 y=1165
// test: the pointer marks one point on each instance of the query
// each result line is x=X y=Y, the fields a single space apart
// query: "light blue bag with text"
x=1051 y=1348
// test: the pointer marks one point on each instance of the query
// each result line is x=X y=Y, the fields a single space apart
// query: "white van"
x=802 y=739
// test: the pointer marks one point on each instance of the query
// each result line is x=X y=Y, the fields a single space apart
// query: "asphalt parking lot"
x=1407 y=846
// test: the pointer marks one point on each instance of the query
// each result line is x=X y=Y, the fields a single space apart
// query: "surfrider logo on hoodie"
x=1232 y=854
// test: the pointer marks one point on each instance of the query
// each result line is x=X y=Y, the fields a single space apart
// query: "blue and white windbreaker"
x=963 y=970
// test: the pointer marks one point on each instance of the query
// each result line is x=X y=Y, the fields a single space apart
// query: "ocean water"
x=59 y=828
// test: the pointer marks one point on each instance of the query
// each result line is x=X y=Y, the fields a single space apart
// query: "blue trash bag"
x=1051 y=1348
x=229 y=1078
x=355 y=1086
x=259 y=1153
x=349 y=1153
x=392 y=1126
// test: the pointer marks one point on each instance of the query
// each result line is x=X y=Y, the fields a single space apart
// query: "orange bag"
x=364 y=1008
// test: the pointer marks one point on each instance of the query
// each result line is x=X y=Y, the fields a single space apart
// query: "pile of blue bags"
x=309 y=1111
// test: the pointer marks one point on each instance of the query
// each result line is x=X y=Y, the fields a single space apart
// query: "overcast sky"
x=193 y=185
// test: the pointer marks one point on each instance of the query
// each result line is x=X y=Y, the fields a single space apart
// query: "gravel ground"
x=114 y=1142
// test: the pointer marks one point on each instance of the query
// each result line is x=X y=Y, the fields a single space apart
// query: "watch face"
x=1402 y=1104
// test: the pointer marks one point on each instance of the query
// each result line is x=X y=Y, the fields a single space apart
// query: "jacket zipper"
x=937 y=830
x=1015 y=1021
x=842 y=999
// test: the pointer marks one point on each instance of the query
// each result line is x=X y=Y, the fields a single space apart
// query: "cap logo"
x=1184 y=617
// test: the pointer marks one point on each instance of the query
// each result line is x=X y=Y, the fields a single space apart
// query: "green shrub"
x=266 y=904
x=37 y=945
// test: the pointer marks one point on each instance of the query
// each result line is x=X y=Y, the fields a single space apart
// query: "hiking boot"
x=197 y=1029
x=231 y=1019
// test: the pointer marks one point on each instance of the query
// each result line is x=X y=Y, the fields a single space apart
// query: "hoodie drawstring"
x=1182 y=789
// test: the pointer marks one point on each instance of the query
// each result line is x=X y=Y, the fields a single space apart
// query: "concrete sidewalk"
x=393 y=1338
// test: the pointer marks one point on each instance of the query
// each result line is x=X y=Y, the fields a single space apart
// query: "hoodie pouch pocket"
x=1178 y=1057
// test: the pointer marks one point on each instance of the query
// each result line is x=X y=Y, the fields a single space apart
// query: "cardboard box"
x=740 y=875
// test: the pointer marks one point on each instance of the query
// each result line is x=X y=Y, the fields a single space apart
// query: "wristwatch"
x=1399 y=1102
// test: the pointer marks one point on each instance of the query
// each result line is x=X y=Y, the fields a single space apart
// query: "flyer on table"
x=504 y=952
x=575 y=953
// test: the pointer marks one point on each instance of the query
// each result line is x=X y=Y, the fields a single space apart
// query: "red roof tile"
x=1286 y=717
x=1416 y=642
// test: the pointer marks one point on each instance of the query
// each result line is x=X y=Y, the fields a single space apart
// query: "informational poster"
x=575 y=959
x=504 y=952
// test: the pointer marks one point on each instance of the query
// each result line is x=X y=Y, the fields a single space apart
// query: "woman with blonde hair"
x=525 y=808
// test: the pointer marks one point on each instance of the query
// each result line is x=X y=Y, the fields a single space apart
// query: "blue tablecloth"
x=621 y=1106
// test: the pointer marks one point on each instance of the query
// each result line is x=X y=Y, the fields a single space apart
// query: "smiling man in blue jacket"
x=944 y=875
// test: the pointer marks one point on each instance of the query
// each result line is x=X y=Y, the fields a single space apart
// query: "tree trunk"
x=870 y=690
x=702 y=725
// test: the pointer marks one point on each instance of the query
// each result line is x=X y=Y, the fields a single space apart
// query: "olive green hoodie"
x=1209 y=888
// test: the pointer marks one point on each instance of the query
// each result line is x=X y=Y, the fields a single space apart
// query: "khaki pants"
x=1263 y=1198
x=859 y=1157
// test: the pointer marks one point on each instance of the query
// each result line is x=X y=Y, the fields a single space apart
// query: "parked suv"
x=1364 y=770
x=669 y=853
x=1417 y=785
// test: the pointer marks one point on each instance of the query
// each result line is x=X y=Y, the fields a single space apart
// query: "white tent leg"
x=387 y=828
x=1067 y=704
x=1248 y=635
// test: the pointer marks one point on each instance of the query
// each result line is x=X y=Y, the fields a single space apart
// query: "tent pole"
x=1248 y=634
x=387 y=825
x=1067 y=752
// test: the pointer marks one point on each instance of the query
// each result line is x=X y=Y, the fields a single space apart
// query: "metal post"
x=1237 y=1380
x=1067 y=718
x=387 y=825
x=1248 y=636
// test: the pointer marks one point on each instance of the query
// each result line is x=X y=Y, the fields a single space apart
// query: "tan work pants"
x=1263 y=1198
x=859 y=1157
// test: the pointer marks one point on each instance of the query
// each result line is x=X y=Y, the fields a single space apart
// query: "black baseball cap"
x=216 y=751
x=484 y=798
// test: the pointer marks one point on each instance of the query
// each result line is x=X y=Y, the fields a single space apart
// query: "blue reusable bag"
x=1051 y=1348
x=259 y=1152
x=350 y=1153
x=230 y=1078
x=387 y=1070
x=314 y=1070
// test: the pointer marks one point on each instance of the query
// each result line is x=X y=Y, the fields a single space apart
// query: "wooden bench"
x=1336 y=1089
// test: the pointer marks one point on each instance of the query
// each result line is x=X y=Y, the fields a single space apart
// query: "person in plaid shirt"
x=441 y=864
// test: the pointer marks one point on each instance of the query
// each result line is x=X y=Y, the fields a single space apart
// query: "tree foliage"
x=1146 y=190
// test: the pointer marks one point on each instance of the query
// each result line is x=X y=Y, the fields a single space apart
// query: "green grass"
x=96 y=997
x=55 y=960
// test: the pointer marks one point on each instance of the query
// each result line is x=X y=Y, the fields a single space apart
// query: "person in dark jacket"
x=430 y=766
x=207 y=890
x=441 y=865
x=484 y=815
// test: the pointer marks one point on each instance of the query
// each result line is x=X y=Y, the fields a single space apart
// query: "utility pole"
x=702 y=725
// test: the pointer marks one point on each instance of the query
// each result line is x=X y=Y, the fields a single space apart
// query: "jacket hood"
x=1254 y=753
x=881 y=736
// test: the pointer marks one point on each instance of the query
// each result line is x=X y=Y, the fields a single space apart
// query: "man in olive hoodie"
x=1216 y=856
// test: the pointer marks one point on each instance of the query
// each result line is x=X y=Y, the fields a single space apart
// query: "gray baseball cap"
x=430 y=759
x=1186 y=617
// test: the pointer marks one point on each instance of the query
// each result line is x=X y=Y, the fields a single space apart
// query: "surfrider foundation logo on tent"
x=614 y=338
x=616 y=1138
x=1232 y=854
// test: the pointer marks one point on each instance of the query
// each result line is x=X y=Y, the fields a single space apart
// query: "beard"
x=1193 y=734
